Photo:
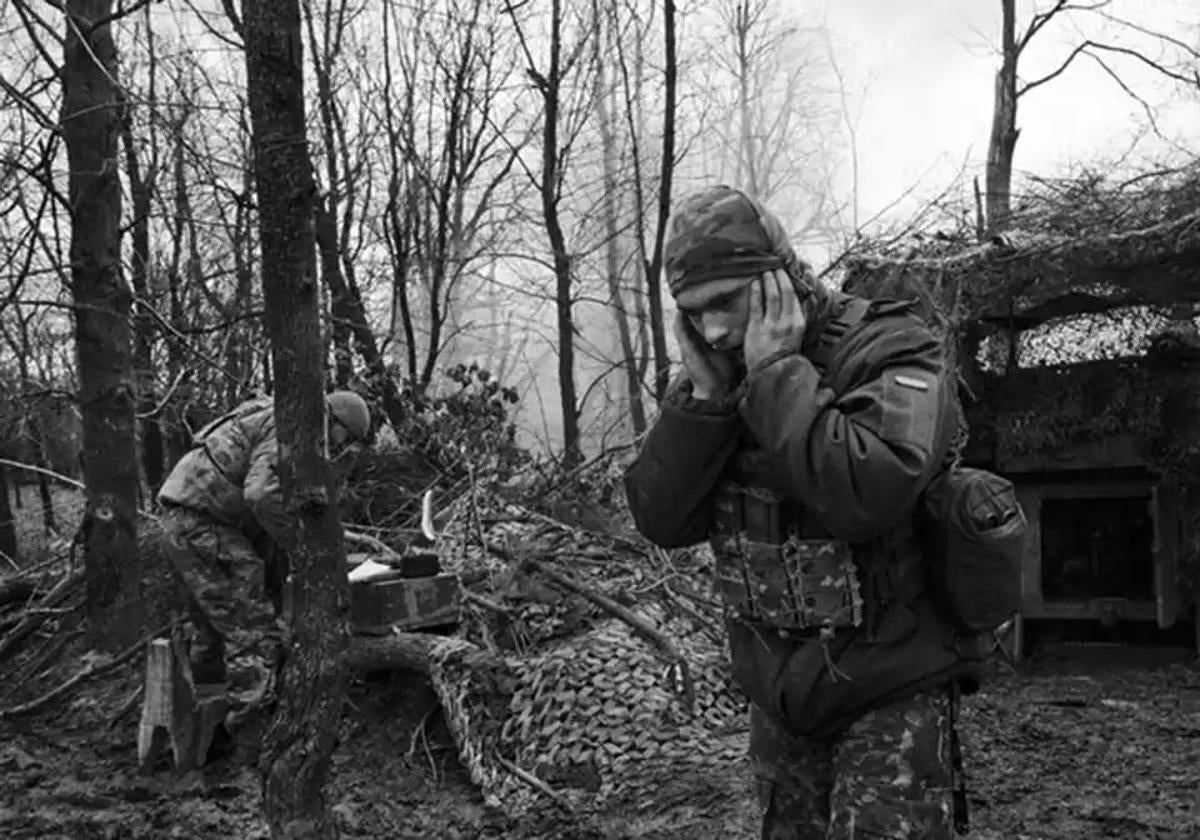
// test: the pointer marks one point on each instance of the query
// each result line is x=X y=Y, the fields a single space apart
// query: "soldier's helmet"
x=350 y=410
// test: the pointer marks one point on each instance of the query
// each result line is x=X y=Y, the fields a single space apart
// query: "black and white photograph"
x=600 y=419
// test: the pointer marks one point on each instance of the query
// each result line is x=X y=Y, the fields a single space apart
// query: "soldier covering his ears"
x=797 y=441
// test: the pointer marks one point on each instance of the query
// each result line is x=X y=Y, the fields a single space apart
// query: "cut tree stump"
x=174 y=713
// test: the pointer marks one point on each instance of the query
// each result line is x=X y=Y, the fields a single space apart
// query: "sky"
x=928 y=67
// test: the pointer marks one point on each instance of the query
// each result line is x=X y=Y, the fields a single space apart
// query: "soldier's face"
x=718 y=311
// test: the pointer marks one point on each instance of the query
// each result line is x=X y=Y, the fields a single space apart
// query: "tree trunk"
x=313 y=679
x=612 y=250
x=144 y=324
x=178 y=440
x=8 y=528
x=350 y=326
x=747 y=144
x=348 y=310
x=241 y=350
x=37 y=431
x=45 y=497
x=90 y=127
x=1003 y=139
x=563 y=286
x=339 y=303
x=653 y=266
x=328 y=245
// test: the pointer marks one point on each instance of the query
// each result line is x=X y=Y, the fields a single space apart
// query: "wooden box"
x=405 y=603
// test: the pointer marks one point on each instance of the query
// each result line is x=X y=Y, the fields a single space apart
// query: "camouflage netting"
x=582 y=701
x=1074 y=246
x=1086 y=272
x=1045 y=410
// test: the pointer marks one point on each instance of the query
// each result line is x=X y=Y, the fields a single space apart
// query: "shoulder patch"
x=912 y=382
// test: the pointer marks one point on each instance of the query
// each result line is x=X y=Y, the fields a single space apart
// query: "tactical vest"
x=767 y=573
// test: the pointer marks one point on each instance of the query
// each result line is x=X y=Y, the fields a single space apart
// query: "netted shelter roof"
x=1064 y=255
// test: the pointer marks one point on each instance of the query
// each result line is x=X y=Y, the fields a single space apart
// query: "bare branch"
x=1086 y=46
x=1054 y=74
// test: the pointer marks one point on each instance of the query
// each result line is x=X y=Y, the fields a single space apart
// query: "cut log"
x=173 y=712
x=399 y=651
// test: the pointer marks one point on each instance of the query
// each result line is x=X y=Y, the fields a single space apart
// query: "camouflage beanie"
x=720 y=233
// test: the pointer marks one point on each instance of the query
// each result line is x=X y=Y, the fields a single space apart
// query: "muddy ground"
x=1064 y=748
x=1058 y=749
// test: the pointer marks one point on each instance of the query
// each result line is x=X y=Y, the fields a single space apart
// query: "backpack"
x=973 y=528
x=969 y=521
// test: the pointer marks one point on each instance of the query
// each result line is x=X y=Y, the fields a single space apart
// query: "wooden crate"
x=405 y=603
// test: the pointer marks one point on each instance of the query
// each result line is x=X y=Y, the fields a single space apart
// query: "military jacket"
x=849 y=449
x=230 y=474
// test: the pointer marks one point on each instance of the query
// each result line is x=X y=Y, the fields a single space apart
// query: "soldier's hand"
x=710 y=371
x=776 y=322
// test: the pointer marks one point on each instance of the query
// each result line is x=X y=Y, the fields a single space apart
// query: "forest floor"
x=1062 y=748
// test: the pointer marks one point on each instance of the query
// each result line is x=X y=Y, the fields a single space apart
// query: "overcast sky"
x=930 y=65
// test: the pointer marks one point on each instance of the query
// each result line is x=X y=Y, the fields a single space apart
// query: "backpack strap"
x=851 y=316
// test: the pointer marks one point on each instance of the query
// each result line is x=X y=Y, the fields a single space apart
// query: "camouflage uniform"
x=805 y=482
x=223 y=514
x=888 y=775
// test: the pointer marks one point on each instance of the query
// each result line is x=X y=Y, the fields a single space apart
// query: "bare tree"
x=91 y=122
x=779 y=112
x=557 y=136
x=652 y=196
x=141 y=189
x=452 y=143
x=335 y=217
x=1009 y=88
x=313 y=680
x=603 y=42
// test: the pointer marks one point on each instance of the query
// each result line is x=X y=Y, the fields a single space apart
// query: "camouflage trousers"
x=889 y=775
x=234 y=631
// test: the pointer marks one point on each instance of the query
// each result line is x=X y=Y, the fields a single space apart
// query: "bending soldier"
x=226 y=532
x=797 y=441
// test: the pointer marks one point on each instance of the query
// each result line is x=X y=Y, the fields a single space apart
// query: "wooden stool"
x=174 y=712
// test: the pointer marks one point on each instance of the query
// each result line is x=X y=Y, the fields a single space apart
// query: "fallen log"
x=409 y=652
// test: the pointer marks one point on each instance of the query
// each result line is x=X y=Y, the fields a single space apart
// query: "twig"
x=534 y=782
x=639 y=625
x=92 y=670
x=704 y=623
x=48 y=612
x=51 y=473
x=558 y=524
x=420 y=731
x=370 y=542
x=30 y=622
x=49 y=652
x=485 y=602
x=127 y=706
x=473 y=516
x=154 y=412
